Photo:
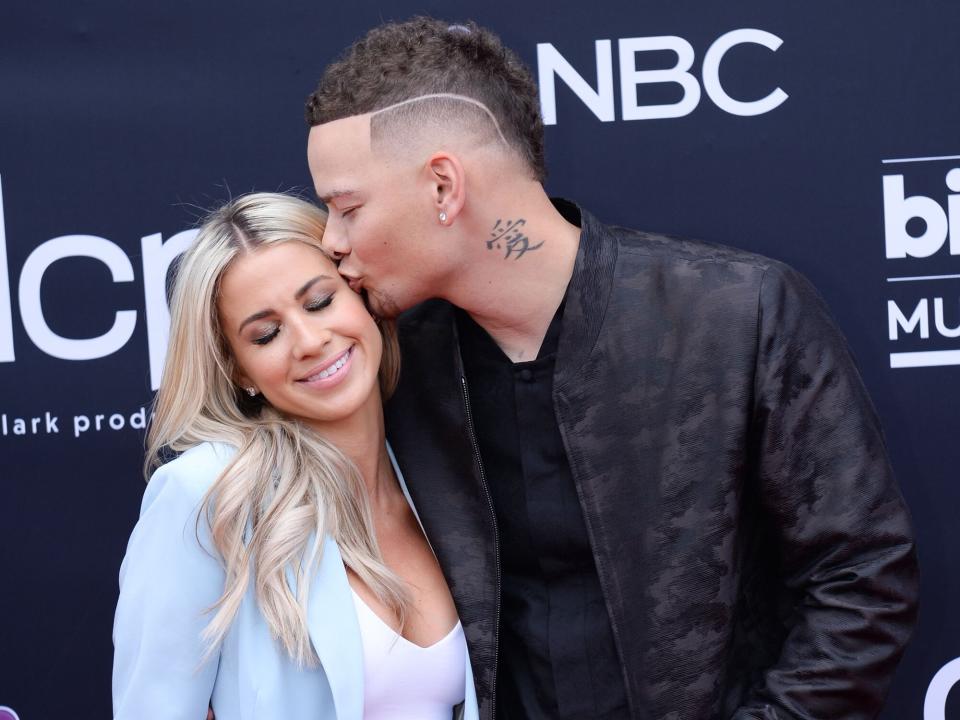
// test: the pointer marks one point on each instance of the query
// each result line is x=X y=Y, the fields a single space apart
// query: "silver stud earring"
x=251 y=391
x=443 y=217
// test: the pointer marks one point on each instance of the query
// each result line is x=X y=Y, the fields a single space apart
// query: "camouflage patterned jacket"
x=753 y=547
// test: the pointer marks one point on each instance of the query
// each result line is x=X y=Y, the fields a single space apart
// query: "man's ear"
x=448 y=186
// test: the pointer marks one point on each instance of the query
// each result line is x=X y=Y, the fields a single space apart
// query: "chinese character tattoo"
x=508 y=235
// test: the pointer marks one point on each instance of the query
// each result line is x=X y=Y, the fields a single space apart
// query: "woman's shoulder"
x=191 y=473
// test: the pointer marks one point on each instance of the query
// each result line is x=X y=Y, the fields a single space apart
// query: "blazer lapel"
x=406 y=492
x=335 y=633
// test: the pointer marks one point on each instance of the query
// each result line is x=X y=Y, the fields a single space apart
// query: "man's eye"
x=319 y=303
x=349 y=211
x=266 y=337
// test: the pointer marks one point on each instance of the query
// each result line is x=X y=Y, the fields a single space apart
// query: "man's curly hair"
x=399 y=61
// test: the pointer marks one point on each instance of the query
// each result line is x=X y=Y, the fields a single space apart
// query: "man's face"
x=379 y=209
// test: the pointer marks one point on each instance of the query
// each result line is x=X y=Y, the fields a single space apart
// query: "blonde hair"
x=287 y=487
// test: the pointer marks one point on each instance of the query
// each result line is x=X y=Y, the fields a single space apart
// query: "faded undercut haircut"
x=422 y=73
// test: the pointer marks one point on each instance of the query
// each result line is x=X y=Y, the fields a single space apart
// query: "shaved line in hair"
x=447 y=96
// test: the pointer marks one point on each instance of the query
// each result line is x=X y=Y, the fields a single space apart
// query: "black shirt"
x=557 y=658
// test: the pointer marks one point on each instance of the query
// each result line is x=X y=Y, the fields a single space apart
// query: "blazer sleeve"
x=846 y=541
x=169 y=578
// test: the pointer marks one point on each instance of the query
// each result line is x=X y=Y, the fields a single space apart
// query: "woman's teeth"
x=333 y=369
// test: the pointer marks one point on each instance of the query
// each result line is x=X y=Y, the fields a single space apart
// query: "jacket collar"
x=587 y=293
x=335 y=632
x=333 y=625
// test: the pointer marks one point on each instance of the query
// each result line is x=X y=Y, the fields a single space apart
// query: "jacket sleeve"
x=846 y=542
x=169 y=578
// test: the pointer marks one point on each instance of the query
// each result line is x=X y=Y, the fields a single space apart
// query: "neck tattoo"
x=510 y=237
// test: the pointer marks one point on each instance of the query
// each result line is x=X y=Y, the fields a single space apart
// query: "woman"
x=278 y=569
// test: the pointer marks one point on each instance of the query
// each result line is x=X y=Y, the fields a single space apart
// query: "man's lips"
x=330 y=369
x=356 y=284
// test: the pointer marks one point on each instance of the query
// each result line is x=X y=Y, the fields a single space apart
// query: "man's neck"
x=517 y=281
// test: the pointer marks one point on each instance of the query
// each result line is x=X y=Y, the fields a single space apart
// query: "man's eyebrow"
x=299 y=294
x=333 y=195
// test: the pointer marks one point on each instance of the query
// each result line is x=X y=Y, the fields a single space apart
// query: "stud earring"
x=251 y=391
x=443 y=217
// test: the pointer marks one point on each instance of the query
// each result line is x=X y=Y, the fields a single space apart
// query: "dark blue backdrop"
x=118 y=122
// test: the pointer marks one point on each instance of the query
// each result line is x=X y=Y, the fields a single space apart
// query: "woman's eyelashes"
x=317 y=303
x=266 y=337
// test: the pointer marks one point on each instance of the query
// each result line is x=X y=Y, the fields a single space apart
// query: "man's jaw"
x=377 y=304
x=380 y=305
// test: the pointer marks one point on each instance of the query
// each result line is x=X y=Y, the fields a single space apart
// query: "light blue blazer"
x=171 y=575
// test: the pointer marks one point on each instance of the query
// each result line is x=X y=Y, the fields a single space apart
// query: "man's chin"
x=380 y=306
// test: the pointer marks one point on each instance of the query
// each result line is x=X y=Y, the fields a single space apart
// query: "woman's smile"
x=331 y=373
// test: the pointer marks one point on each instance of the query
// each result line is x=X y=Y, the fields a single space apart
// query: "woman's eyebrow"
x=309 y=284
x=299 y=294
x=253 y=318
x=296 y=296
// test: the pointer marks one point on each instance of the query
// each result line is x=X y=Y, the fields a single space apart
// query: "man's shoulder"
x=633 y=251
x=693 y=273
x=639 y=246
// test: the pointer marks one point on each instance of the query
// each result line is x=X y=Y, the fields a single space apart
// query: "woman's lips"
x=331 y=373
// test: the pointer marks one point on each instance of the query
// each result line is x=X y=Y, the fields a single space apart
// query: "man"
x=647 y=466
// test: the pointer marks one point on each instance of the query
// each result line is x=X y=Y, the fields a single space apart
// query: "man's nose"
x=334 y=240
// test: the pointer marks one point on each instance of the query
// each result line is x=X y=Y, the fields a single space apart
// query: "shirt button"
x=526 y=374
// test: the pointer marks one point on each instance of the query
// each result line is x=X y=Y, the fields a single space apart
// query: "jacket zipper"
x=496 y=543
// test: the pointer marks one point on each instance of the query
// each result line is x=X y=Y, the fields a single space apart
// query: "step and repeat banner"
x=823 y=134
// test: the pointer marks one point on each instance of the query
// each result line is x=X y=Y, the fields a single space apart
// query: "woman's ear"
x=448 y=185
x=245 y=383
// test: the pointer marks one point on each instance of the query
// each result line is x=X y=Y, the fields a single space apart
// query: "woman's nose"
x=310 y=338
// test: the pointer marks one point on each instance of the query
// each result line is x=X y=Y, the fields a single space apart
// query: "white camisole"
x=403 y=681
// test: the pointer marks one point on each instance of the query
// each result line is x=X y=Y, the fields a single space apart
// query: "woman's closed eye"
x=319 y=302
x=266 y=336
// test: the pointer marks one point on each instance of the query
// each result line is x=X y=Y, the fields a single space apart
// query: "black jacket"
x=754 y=550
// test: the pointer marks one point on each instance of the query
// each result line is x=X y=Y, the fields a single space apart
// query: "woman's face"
x=299 y=334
